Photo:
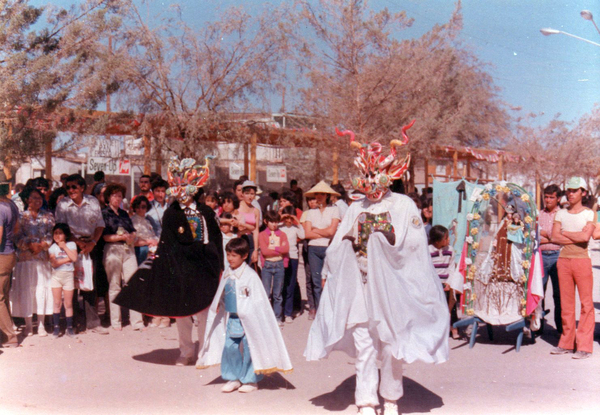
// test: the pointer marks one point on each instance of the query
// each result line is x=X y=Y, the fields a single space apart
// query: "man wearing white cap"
x=573 y=229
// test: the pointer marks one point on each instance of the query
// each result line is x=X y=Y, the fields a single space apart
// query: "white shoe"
x=42 y=331
x=288 y=319
x=231 y=386
x=367 y=410
x=248 y=387
x=390 y=408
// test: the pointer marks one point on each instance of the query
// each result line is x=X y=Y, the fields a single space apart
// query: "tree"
x=558 y=150
x=196 y=84
x=362 y=77
x=48 y=67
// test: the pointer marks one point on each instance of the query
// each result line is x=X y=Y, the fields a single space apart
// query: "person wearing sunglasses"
x=83 y=215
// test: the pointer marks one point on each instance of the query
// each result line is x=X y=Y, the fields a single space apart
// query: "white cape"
x=266 y=344
x=403 y=300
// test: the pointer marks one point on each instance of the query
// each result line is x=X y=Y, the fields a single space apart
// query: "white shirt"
x=156 y=211
x=321 y=220
x=61 y=254
x=293 y=233
x=342 y=206
x=84 y=219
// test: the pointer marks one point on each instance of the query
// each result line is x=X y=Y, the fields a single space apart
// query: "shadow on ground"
x=159 y=357
x=416 y=399
x=271 y=382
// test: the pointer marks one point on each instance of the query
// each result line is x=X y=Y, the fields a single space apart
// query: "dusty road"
x=135 y=373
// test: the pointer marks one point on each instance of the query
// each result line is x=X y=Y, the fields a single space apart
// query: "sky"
x=545 y=75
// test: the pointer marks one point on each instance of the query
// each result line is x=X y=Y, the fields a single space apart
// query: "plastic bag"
x=84 y=273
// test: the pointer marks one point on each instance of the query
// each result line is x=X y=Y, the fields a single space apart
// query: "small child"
x=227 y=233
x=294 y=232
x=62 y=256
x=274 y=248
x=212 y=202
x=442 y=256
x=240 y=314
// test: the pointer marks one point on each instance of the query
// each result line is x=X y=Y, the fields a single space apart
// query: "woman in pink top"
x=250 y=219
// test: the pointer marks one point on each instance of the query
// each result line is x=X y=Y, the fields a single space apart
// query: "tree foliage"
x=51 y=59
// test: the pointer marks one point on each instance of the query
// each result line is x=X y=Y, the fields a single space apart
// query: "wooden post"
x=8 y=160
x=49 y=159
x=317 y=166
x=426 y=173
x=159 y=159
x=455 y=165
x=147 y=155
x=246 y=160
x=253 y=142
x=468 y=168
x=538 y=192
x=500 y=162
x=335 y=166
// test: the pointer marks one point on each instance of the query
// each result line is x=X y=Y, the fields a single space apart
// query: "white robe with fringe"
x=402 y=301
x=267 y=348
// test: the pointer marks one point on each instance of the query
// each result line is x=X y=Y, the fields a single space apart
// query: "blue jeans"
x=549 y=259
x=141 y=253
x=316 y=259
x=236 y=362
x=291 y=276
x=272 y=277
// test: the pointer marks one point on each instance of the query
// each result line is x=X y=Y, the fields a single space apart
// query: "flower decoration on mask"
x=377 y=171
x=185 y=177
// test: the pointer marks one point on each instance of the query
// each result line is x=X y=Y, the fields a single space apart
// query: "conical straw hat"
x=321 y=187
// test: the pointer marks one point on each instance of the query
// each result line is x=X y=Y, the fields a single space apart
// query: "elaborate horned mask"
x=377 y=171
x=185 y=177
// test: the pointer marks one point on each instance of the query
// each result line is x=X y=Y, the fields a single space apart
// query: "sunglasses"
x=73 y=187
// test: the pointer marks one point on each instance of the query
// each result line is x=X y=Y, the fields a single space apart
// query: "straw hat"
x=321 y=187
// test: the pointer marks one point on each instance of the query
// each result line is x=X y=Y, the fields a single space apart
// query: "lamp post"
x=587 y=15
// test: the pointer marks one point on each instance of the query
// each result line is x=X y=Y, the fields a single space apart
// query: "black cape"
x=183 y=277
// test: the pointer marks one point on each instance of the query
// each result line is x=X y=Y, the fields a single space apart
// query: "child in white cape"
x=241 y=331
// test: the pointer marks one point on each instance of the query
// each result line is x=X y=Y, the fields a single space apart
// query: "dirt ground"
x=134 y=373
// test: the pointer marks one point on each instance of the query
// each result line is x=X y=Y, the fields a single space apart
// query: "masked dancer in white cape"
x=242 y=333
x=383 y=300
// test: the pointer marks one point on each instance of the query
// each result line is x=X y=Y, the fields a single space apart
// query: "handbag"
x=84 y=273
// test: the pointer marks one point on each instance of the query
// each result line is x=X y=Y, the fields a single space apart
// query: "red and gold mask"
x=377 y=171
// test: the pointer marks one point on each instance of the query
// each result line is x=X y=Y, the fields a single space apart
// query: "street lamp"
x=587 y=15
x=548 y=31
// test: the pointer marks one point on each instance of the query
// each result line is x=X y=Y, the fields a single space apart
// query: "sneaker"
x=367 y=410
x=56 y=332
x=231 y=386
x=248 y=387
x=184 y=361
x=580 y=354
x=99 y=330
x=70 y=333
x=390 y=408
x=164 y=324
x=560 y=350
x=42 y=331
x=311 y=316
x=288 y=319
x=117 y=328
x=281 y=324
